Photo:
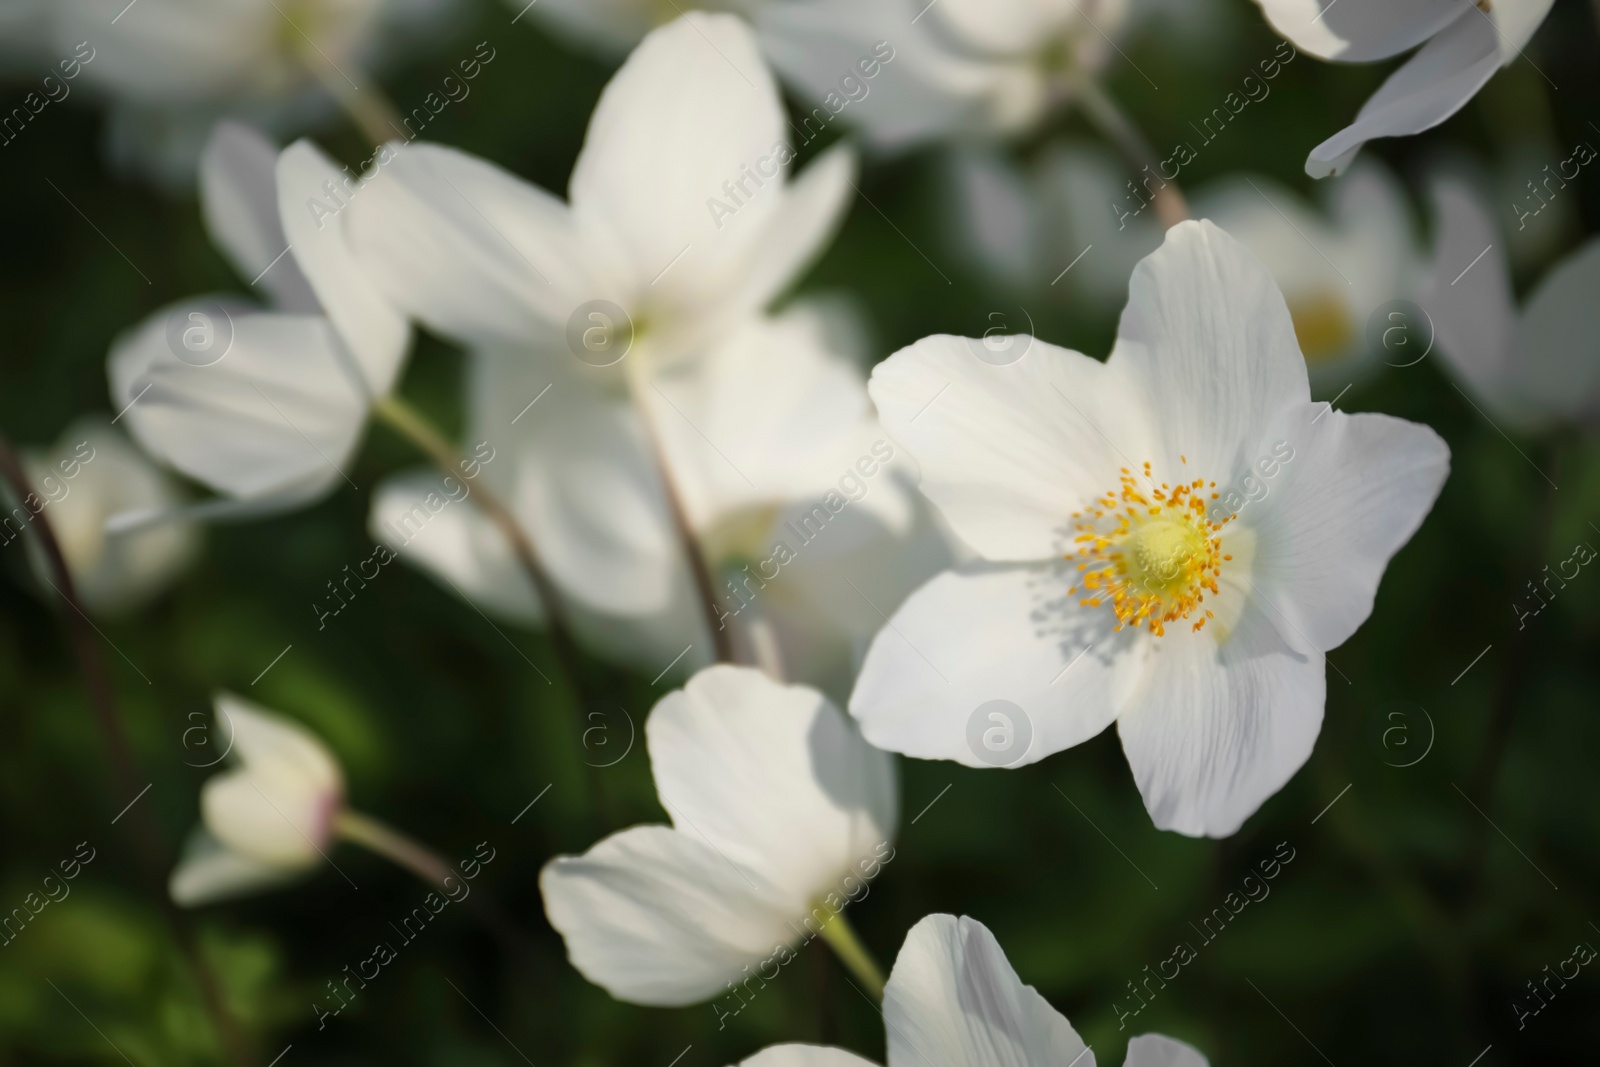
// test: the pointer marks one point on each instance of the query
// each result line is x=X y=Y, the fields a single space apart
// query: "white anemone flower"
x=954 y=1000
x=265 y=407
x=92 y=473
x=906 y=73
x=780 y=815
x=172 y=68
x=1533 y=368
x=801 y=504
x=680 y=218
x=612 y=27
x=268 y=821
x=1336 y=267
x=1463 y=44
x=1171 y=540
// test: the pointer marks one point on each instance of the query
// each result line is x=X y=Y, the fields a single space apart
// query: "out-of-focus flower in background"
x=92 y=473
x=781 y=814
x=954 y=1000
x=1533 y=368
x=613 y=27
x=265 y=407
x=1171 y=540
x=170 y=69
x=269 y=820
x=1463 y=44
x=1335 y=267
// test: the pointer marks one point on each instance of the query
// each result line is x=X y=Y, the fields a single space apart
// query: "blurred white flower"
x=905 y=72
x=612 y=27
x=1335 y=267
x=172 y=68
x=91 y=474
x=1532 y=368
x=954 y=1000
x=1463 y=44
x=800 y=501
x=780 y=814
x=680 y=213
x=265 y=407
x=1171 y=541
x=269 y=820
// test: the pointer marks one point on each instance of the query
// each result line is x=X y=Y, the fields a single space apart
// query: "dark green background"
x=1399 y=934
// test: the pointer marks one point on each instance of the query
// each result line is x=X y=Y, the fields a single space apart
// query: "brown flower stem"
x=693 y=553
x=155 y=857
x=1110 y=120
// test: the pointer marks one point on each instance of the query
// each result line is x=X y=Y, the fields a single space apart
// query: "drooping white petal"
x=981 y=634
x=1096 y=228
x=698 y=102
x=1357 y=31
x=267 y=742
x=470 y=249
x=1355 y=490
x=239 y=199
x=431 y=525
x=774 y=778
x=1157 y=1050
x=209 y=871
x=278 y=413
x=996 y=214
x=311 y=196
x=953 y=1000
x=1432 y=85
x=657 y=917
x=1009 y=452
x=1217 y=729
x=1207 y=341
x=805 y=1056
x=1560 y=371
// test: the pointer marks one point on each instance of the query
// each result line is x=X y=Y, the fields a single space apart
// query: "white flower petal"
x=657 y=917
x=774 y=778
x=239 y=199
x=311 y=195
x=1432 y=85
x=1008 y=452
x=805 y=1056
x=953 y=1000
x=1216 y=730
x=468 y=248
x=1157 y=1050
x=432 y=526
x=981 y=634
x=1560 y=372
x=265 y=741
x=1357 y=31
x=1207 y=340
x=279 y=413
x=1356 y=489
x=698 y=102
x=1516 y=22
x=209 y=871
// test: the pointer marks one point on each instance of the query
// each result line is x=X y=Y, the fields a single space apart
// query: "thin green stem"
x=1110 y=120
x=361 y=98
x=841 y=937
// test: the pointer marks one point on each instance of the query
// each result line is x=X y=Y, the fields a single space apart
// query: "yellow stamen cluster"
x=1151 y=554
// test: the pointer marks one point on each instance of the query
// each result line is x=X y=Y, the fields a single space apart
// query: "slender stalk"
x=841 y=937
x=403 y=851
x=154 y=856
x=409 y=423
x=1109 y=119
x=360 y=97
x=694 y=555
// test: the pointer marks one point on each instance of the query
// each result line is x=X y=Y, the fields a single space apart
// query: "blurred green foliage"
x=1401 y=932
